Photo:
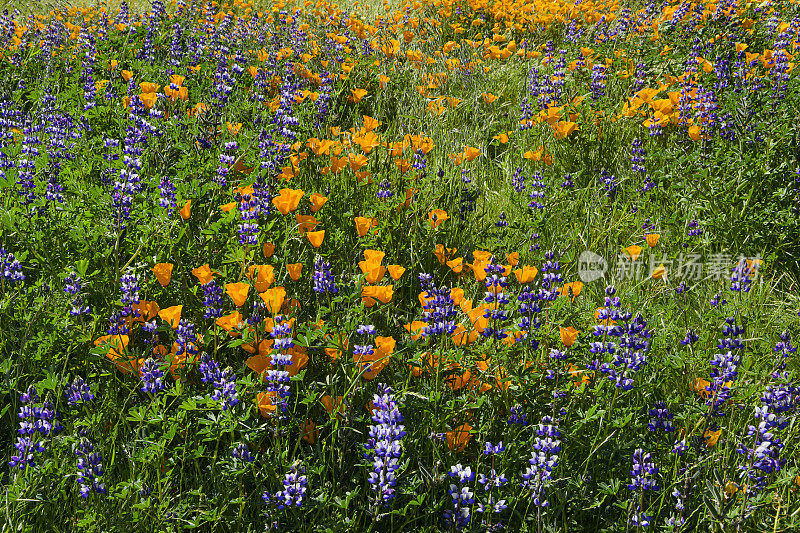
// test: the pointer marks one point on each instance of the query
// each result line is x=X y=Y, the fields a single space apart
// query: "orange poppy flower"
x=357 y=95
x=237 y=292
x=204 y=274
x=116 y=344
x=234 y=128
x=415 y=329
x=333 y=404
x=572 y=289
x=186 y=210
x=700 y=387
x=147 y=310
x=371 y=123
x=660 y=272
x=294 y=270
x=265 y=276
x=513 y=258
x=309 y=431
x=316 y=238
x=437 y=216
x=396 y=271
x=458 y=439
x=274 y=298
x=126 y=75
x=148 y=87
x=568 y=335
x=288 y=200
x=526 y=274
x=364 y=224
x=163 y=272
x=230 y=322
x=317 y=201
x=712 y=437
x=488 y=97
x=634 y=251
x=456 y=265
x=171 y=315
x=268 y=249
x=267 y=403
x=382 y=293
x=652 y=239
x=470 y=153
x=563 y=129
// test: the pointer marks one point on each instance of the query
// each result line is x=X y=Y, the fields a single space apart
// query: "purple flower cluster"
x=496 y=298
x=278 y=377
x=11 y=269
x=152 y=377
x=295 y=485
x=73 y=286
x=544 y=459
x=224 y=382
x=90 y=469
x=383 y=446
x=212 y=299
x=439 y=308
x=661 y=418
x=623 y=337
x=34 y=419
x=324 y=281
x=459 y=514
x=78 y=392
x=493 y=482
x=642 y=481
x=241 y=453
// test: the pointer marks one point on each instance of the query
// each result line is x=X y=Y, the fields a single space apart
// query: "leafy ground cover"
x=441 y=266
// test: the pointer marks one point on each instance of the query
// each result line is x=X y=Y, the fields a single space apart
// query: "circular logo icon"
x=591 y=266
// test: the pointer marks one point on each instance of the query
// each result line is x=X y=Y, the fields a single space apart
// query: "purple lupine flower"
x=598 y=81
x=383 y=446
x=152 y=377
x=691 y=338
x=680 y=447
x=90 y=469
x=517 y=416
x=718 y=300
x=785 y=348
x=11 y=269
x=278 y=377
x=385 y=190
x=694 y=229
x=492 y=504
x=186 y=338
x=641 y=481
x=763 y=455
x=324 y=282
x=495 y=283
x=241 y=453
x=537 y=191
x=742 y=275
x=167 y=193
x=439 y=309
x=295 y=485
x=78 y=392
x=661 y=418
x=73 y=286
x=626 y=341
x=518 y=180
x=459 y=514
x=544 y=458
x=212 y=299
x=224 y=382
x=41 y=419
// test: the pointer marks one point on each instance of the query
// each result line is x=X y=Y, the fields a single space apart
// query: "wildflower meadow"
x=455 y=265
